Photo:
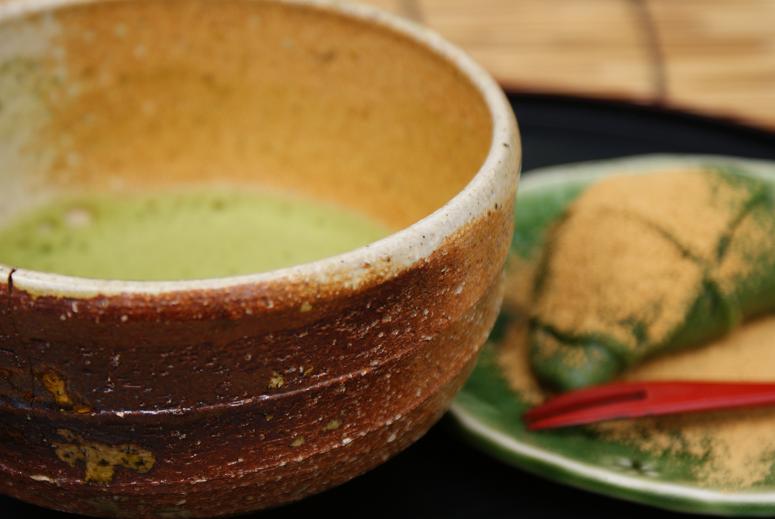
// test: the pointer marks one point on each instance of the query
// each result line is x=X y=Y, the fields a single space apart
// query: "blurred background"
x=710 y=56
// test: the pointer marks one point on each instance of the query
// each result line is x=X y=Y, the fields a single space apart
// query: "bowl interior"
x=138 y=94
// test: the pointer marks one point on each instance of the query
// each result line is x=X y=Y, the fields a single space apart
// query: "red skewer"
x=639 y=399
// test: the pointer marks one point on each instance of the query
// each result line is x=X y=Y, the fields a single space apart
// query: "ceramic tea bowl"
x=220 y=396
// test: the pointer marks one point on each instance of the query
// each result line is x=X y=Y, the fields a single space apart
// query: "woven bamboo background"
x=713 y=56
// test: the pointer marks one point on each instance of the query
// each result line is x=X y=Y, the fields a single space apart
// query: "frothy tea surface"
x=181 y=235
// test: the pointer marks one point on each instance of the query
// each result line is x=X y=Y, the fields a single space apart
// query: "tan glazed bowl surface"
x=221 y=396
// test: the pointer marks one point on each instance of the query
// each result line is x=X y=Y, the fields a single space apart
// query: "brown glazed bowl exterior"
x=221 y=396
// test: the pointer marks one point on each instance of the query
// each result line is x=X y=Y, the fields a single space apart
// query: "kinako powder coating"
x=633 y=217
x=645 y=263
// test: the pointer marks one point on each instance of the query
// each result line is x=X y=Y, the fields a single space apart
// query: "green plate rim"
x=557 y=467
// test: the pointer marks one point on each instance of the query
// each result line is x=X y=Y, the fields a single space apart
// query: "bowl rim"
x=399 y=250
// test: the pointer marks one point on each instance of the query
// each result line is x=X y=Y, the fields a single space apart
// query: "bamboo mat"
x=711 y=56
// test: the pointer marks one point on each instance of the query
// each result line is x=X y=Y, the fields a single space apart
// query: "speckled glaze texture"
x=221 y=396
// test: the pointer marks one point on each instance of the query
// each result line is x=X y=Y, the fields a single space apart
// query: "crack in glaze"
x=9 y=283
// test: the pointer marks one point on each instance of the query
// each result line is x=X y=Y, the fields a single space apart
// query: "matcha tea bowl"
x=248 y=250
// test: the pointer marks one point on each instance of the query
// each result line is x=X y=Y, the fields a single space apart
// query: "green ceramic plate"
x=488 y=411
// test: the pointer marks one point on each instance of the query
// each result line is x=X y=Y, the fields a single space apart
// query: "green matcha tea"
x=182 y=235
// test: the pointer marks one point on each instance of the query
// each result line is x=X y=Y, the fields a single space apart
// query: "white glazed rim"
x=404 y=248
